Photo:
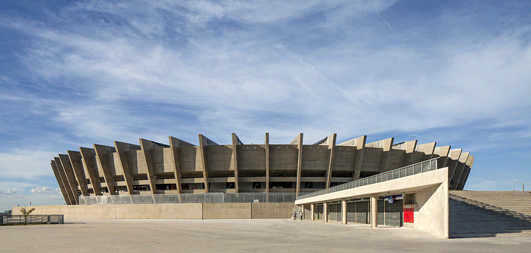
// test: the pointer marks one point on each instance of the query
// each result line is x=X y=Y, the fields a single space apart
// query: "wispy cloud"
x=97 y=71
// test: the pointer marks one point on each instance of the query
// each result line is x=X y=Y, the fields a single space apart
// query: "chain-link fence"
x=31 y=219
x=409 y=170
x=211 y=197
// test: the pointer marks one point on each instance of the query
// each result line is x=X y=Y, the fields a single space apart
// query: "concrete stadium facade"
x=151 y=168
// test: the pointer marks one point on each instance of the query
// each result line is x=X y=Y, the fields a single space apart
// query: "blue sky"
x=74 y=73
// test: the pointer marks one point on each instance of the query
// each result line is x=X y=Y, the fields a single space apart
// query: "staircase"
x=482 y=213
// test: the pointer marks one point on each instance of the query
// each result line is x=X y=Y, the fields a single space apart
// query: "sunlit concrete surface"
x=239 y=236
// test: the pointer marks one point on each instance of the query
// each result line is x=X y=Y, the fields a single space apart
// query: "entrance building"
x=414 y=196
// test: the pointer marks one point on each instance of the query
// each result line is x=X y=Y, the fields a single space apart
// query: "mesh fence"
x=211 y=197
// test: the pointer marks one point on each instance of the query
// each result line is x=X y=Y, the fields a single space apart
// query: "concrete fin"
x=358 y=142
x=77 y=166
x=102 y=157
x=70 y=175
x=331 y=145
x=122 y=146
x=299 y=163
x=464 y=157
x=175 y=142
x=266 y=148
x=205 y=141
x=470 y=161
x=426 y=148
x=60 y=182
x=455 y=154
x=236 y=139
x=69 y=190
x=408 y=146
x=88 y=157
x=442 y=151
x=234 y=164
x=385 y=144
x=147 y=144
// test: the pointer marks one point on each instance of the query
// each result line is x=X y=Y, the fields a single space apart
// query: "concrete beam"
x=469 y=163
x=386 y=146
x=408 y=146
x=122 y=149
x=299 y=163
x=426 y=148
x=331 y=141
x=454 y=155
x=174 y=145
x=442 y=151
x=359 y=143
x=71 y=178
x=103 y=160
x=68 y=189
x=235 y=142
x=146 y=146
x=203 y=142
x=88 y=159
x=460 y=170
x=75 y=162
x=60 y=182
x=266 y=147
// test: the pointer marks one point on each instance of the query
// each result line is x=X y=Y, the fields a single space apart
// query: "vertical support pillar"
x=60 y=183
x=359 y=144
x=312 y=212
x=332 y=146
x=266 y=147
x=235 y=142
x=299 y=164
x=89 y=164
x=343 y=211
x=325 y=211
x=68 y=189
x=374 y=211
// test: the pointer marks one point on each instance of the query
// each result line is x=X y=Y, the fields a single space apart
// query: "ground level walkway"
x=239 y=236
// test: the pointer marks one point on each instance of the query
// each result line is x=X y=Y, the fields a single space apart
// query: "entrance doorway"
x=390 y=211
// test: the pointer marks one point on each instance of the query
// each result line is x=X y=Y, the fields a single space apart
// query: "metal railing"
x=409 y=170
x=31 y=219
x=211 y=197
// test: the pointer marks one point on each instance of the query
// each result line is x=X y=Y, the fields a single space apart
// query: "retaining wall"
x=169 y=211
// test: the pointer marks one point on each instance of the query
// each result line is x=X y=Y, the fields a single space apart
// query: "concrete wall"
x=432 y=210
x=227 y=211
x=169 y=211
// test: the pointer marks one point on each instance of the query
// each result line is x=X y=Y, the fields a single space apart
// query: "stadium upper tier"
x=181 y=167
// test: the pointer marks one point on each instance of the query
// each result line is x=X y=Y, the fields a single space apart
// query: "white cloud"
x=25 y=163
x=41 y=190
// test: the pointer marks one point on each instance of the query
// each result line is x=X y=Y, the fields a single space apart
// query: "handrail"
x=405 y=171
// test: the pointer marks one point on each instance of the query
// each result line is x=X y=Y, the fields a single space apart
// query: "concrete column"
x=374 y=211
x=312 y=212
x=325 y=211
x=266 y=147
x=299 y=164
x=343 y=211
x=331 y=146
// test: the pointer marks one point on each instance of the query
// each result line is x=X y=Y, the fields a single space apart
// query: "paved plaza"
x=239 y=236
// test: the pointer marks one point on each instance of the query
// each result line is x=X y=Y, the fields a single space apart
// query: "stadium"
x=151 y=172
x=377 y=184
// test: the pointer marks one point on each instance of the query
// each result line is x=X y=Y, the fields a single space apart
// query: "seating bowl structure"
x=183 y=169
